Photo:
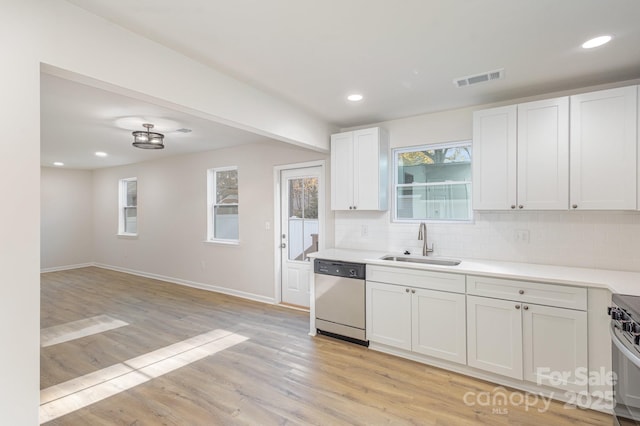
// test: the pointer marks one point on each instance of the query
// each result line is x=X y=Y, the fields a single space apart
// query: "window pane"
x=227 y=187
x=445 y=202
x=226 y=222
x=435 y=165
x=132 y=193
x=130 y=220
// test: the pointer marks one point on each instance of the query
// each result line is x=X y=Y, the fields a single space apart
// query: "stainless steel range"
x=625 y=336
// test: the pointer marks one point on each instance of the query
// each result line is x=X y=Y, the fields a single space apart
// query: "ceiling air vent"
x=479 y=78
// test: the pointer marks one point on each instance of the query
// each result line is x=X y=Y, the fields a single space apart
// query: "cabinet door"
x=342 y=171
x=555 y=343
x=367 y=174
x=543 y=155
x=494 y=336
x=439 y=324
x=603 y=150
x=494 y=159
x=389 y=315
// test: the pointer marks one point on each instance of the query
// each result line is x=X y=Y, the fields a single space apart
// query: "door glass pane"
x=303 y=217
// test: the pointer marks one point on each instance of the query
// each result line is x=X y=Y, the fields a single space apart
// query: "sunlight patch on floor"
x=64 y=398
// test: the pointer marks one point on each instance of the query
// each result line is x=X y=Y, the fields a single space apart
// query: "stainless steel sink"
x=424 y=260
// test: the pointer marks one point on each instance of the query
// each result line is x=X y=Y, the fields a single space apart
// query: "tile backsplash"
x=604 y=240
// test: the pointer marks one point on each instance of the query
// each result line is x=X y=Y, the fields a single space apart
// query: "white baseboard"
x=201 y=286
x=66 y=267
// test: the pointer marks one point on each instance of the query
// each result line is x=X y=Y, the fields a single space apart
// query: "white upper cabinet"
x=543 y=155
x=359 y=170
x=494 y=158
x=521 y=156
x=604 y=150
x=578 y=152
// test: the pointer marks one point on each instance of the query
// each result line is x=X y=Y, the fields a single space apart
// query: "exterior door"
x=300 y=231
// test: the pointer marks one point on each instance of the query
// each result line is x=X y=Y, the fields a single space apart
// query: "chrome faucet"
x=422 y=235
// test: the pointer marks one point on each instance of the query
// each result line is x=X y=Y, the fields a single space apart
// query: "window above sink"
x=433 y=183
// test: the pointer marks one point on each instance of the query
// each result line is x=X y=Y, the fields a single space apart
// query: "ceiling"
x=78 y=120
x=401 y=55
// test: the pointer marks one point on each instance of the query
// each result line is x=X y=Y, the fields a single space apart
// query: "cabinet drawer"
x=525 y=291
x=429 y=280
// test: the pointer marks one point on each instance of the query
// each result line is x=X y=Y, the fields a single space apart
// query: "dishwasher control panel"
x=340 y=269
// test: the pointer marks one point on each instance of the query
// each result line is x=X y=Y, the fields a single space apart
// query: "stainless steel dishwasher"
x=340 y=300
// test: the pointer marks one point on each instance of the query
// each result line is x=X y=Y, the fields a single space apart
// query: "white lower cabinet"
x=527 y=331
x=388 y=315
x=494 y=336
x=438 y=325
x=414 y=319
x=541 y=344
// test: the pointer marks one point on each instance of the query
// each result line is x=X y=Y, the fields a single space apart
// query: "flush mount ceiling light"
x=146 y=139
x=597 y=41
x=58 y=163
x=355 y=97
x=101 y=154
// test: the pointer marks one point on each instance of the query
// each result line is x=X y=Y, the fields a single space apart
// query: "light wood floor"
x=279 y=375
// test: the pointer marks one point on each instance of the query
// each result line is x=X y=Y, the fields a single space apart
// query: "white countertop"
x=615 y=281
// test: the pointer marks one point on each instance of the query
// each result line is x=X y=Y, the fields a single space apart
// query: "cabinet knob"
x=517 y=306
x=355 y=207
x=575 y=206
x=413 y=291
x=407 y=290
x=520 y=206
x=350 y=207
x=521 y=291
x=525 y=307
x=513 y=206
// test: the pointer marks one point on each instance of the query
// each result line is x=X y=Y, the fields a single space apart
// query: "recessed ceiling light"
x=101 y=154
x=597 y=41
x=355 y=97
x=58 y=163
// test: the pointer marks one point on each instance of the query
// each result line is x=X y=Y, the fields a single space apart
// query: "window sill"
x=127 y=236
x=223 y=242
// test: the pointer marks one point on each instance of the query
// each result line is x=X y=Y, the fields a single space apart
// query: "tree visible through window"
x=433 y=182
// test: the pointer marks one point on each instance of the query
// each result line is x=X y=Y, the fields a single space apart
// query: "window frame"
x=123 y=206
x=396 y=185
x=211 y=204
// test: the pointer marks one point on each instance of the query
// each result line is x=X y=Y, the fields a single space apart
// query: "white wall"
x=608 y=240
x=33 y=32
x=172 y=219
x=66 y=220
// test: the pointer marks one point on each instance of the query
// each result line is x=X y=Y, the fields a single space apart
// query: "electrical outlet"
x=267 y=225
x=364 y=230
x=521 y=235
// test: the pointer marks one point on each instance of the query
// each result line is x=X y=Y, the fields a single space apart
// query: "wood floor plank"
x=279 y=375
